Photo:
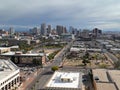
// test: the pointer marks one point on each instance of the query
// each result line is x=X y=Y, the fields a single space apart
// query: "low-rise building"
x=115 y=77
x=19 y=58
x=75 y=49
x=105 y=86
x=106 y=79
x=4 y=50
x=69 y=80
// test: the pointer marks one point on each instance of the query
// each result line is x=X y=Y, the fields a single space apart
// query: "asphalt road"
x=112 y=57
x=46 y=73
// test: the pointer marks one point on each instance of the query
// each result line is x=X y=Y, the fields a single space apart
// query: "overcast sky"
x=103 y=14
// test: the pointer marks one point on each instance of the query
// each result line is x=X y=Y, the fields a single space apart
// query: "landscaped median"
x=52 y=55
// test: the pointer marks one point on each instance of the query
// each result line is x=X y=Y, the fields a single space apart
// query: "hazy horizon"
x=88 y=14
x=27 y=28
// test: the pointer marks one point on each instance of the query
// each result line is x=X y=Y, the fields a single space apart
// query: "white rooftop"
x=55 y=81
x=89 y=49
x=115 y=49
x=4 y=47
x=9 y=47
x=27 y=54
x=6 y=68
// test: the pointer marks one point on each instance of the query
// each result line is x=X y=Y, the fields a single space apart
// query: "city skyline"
x=79 y=14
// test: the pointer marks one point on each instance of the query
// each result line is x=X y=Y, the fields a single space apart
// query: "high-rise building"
x=53 y=31
x=97 y=32
x=35 y=31
x=64 y=30
x=80 y=32
x=85 y=33
x=60 y=29
x=49 y=29
x=11 y=31
x=71 y=30
x=43 y=29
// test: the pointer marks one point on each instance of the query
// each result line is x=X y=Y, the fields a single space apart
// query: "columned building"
x=9 y=75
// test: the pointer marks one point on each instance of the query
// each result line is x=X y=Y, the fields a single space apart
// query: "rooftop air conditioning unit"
x=1 y=69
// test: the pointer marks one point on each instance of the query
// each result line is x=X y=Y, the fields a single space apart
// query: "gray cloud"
x=80 y=13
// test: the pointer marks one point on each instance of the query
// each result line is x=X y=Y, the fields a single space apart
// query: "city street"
x=115 y=59
x=46 y=73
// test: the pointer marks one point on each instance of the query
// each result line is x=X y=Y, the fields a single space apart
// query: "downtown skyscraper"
x=43 y=29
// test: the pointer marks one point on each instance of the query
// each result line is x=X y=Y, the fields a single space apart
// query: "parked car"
x=96 y=78
x=84 y=78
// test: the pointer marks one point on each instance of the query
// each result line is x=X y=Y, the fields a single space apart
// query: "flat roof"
x=89 y=49
x=105 y=86
x=27 y=54
x=8 y=68
x=9 y=47
x=115 y=49
x=115 y=76
x=4 y=47
x=101 y=74
x=56 y=82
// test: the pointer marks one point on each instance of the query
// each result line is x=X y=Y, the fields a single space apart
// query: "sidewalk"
x=29 y=80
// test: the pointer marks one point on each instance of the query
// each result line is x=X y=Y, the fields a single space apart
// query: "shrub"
x=117 y=65
x=103 y=66
x=52 y=55
x=36 y=61
x=54 y=68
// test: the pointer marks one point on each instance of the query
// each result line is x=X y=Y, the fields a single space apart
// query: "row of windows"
x=9 y=85
x=8 y=79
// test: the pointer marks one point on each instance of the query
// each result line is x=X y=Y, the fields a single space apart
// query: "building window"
x=12 y=83
x=6 y=87
x=2 y=88
x=9 y=86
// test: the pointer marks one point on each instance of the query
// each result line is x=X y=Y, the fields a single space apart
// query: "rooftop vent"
x=1 y=69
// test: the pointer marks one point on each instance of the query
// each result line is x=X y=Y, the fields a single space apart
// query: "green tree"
x=117 y=64
x=37 y=61
x=54 y=68
x=25 y=47
x=103 y=66
x=87 y=55
x=52 y=55
x=95 y=57
x=85 y=60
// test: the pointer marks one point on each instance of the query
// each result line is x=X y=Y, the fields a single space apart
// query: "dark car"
x=84 y=78
x=96 y=78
